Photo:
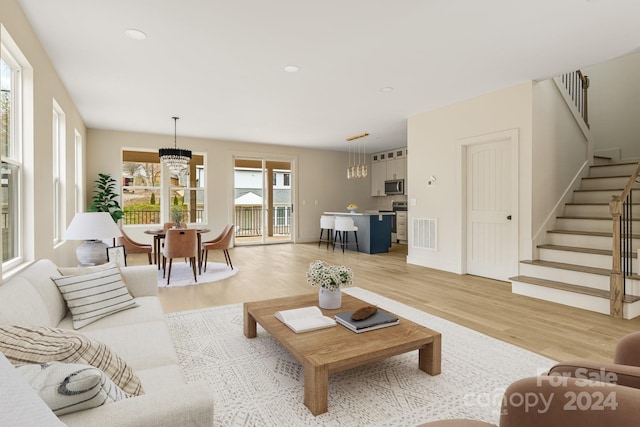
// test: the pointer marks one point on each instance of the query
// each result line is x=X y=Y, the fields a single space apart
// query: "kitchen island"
x=374 y=231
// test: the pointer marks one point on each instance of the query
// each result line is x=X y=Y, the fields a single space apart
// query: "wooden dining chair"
x=223 y=242
x=180 y=243
x=133 y=247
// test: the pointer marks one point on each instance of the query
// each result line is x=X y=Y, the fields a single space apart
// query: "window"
x=144 y=197
x=287 y=179
x=187 y=193
x=11 y=144
x=141 y=185
x=79 y=175
x=58 y=156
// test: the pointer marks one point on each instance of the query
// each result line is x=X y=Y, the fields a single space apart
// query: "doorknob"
x=509 y=217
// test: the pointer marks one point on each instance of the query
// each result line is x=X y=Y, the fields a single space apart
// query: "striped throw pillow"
x=94 y=295
x=70 y=387
x=39 y=344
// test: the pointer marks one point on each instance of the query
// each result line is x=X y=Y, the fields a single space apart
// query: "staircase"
x=574 y=265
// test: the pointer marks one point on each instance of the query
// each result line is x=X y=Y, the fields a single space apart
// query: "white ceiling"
x=219 y=65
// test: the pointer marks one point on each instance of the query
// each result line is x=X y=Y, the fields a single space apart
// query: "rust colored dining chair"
x=223 y=242
x=180 y=243
x=133 y=247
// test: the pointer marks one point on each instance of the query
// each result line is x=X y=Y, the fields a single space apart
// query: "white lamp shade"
x=92 y=226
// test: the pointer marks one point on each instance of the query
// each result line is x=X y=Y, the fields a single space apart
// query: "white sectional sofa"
x=140 y=336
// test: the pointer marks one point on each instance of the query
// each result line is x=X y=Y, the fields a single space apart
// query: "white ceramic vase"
x=329 y=300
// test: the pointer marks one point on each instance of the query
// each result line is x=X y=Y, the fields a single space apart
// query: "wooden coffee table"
x=335 y=349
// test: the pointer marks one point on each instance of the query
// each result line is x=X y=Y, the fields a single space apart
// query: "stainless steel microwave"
x=394 y=186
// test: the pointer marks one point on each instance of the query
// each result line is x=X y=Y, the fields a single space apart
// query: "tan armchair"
x=223 y=242
x=180 y=243
x=577 y=393
x=133 y=247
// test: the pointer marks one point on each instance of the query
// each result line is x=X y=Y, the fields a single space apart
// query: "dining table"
x=160 y=233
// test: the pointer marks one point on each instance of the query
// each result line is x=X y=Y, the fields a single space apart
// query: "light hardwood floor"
x=488 y=306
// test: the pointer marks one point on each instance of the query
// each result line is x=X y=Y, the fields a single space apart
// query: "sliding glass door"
x=263 y=201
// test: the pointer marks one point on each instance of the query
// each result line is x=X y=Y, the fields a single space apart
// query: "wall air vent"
x=425 y=233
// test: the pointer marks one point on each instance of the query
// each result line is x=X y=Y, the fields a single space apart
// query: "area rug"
x=256 y=383
x=182 y=275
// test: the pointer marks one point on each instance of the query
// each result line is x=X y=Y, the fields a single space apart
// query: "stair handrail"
x=577 y=85
x=620 y=207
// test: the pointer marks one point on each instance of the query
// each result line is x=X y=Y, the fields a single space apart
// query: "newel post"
x=615 y=282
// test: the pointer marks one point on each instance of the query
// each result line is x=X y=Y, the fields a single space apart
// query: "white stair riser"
x=577 y=258
x=595 y=281
x=614 y=170
x=595 y=210
x=572 y=299
x=604 y=183
x=631 y=311
x=587 y=224
x=583 y=241
x=579 y=241
x=632 y=287
x=592 y=196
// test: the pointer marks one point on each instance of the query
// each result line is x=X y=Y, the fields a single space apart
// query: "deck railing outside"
x=248 y=221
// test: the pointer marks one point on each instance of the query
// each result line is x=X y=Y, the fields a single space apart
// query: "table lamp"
x=92 y=227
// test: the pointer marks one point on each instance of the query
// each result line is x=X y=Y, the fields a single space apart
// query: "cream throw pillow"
x=94 y=295
x=73 y=271
x=71 y=387
x=40 y=344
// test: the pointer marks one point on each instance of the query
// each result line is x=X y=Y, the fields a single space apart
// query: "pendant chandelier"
x=175 y=158
x=359 y=169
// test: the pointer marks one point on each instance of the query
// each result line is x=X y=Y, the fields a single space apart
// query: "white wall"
x=434 y=149
x=561 y=155
x=38 y=168
x=318 y=175
x=614 y=106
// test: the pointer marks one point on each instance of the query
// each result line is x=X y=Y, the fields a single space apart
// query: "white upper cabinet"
x=387 y=165
x=378 y=174
x=397 y=163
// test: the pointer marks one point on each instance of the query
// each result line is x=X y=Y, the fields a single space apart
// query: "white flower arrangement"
x=329 y=277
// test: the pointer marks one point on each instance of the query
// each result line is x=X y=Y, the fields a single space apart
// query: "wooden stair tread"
x=593 y=251
x=611 y=164
x=610 y=190
x=607 y=177
x=589 y=233
x=592 y=204
x=597 y=218
x=571 y=288
x=576 y=249
x=571 y=267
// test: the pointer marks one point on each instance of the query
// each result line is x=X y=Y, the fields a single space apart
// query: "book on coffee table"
x=305 y=319
x=381 y=319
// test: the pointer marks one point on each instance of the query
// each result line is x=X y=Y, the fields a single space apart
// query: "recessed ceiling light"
x=134 y=34
x=292 y=68
x=387 y=89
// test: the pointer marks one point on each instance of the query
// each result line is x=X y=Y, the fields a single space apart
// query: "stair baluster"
x=621 y=210
x=577 y=85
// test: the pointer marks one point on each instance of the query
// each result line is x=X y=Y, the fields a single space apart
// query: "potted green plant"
x=104 y=197
x=176 y=215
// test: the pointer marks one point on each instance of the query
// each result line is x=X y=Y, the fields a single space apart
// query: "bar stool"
x=327 y=222
x=343 y=226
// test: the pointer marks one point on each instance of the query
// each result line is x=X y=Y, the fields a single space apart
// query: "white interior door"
x=491 y=234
